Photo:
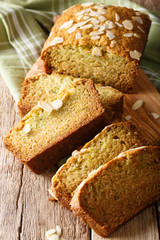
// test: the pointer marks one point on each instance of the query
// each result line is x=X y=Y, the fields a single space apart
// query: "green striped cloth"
x=24 y=26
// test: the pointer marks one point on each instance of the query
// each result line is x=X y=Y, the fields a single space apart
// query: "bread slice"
x=103 y=43
x=43 y=86
x=49 y=133
x=118 y=190
x=111 y=141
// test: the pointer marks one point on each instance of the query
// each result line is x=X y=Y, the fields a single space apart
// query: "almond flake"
x=102 y=11
x=53 y=237
x=53 y=195
x=72 y=29
x=96 y=26
x=56 y=40
x=85 y=17
x=137 y=105
x=128 y=24
x=27 y=128
x=102 y=28
x=136 y=35
x=67 y=24
x=79 y=17
x=118 y=24
x=84 y=11
x=128 y=117
x=96 y=52
x=112 y=44
x=155 y=115
x=128 y=34
x=135 y=54
x=138 y=13
x=56 y=104
x=50 y=232
x=95 y=37
x=138 y=19
x=45 y=106
x=86 y=26
x=140 y=29
x=75 y=152
x=117 y=17
x=109 y=25
x=110 y=35
x=78 y=35
x=95 y=21
x=96 y=33
x=94 y=14
x=58 y=230
x=87 y=4
x=101 y=18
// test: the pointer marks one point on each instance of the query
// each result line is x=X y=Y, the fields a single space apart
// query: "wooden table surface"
x=26 y=213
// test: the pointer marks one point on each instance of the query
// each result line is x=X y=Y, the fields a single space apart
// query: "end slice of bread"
x=50 y=132
x=119 y=190
x=111 y=141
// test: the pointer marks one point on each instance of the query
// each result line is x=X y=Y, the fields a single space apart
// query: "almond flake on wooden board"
x=54 y=234
x=137 y=105
x=155 y=115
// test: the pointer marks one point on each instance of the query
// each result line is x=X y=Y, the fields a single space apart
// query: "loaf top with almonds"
x=122 y=30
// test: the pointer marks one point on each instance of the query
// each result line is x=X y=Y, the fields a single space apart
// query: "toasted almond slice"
x=66 y=24
x=45 y=106
x=118 y=24
x=112 y=44
x=96 y=33
x=84 y=11
x=128 y=34
x=94 y=14
x=135 y=54
x=117 y=17
x=138 y=19
x=56 y=40
x=56 y=104
x=72 y=29
x=109 y=24
x=52 y=194
x=128 y=24
x=95 y=37
x=101 y=18
x=75 y=152
x=110 y=34
x=27 y=128
x=87 y=4
x=85 y=17
x=136 y=35
x=137 y=105
x=140 y=29
x=96 y=52
x=155 y=115
x=86 y=26
x=58 y=230
x=138 y=13
x=95 y=21
x=102 y=11
x=78 y=35
x=128 y=117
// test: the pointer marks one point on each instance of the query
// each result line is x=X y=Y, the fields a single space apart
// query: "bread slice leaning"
x=111 y=141
x=119 y=190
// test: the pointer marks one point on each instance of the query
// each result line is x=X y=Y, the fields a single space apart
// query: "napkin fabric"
x=25 y=25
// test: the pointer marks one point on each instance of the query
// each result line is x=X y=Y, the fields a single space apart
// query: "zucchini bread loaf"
x=113 y=140
x=54 y=128
x=103 y=43
x=43 y=86
x=118 y=190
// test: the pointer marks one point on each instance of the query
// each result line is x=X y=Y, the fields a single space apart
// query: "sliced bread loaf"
x=43 y=86
x=118 y=190
x=54 y=128
x=113 y=140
